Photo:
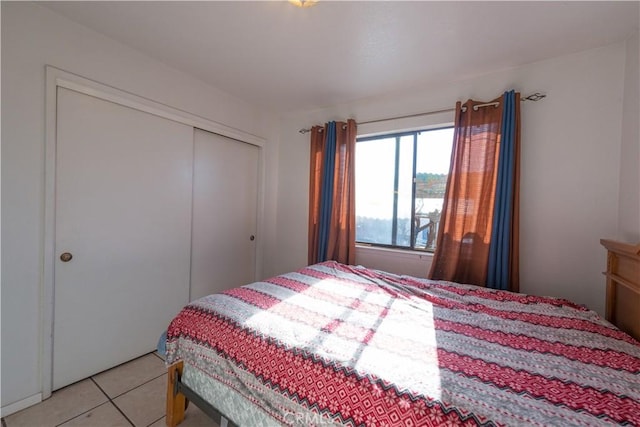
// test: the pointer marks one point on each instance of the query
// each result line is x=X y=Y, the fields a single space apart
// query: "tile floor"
x=132 y=394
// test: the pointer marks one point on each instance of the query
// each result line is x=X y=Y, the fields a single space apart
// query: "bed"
x=332 y=344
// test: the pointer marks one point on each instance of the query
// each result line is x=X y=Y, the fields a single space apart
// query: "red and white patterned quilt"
x=336 y=344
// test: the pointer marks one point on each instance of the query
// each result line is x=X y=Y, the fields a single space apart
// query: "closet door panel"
x=224 y=213
x=123 y=212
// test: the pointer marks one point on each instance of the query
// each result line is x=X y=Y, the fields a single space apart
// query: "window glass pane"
x=375 y=171
x=433 y=156
x=385 y=216
x=405 y=190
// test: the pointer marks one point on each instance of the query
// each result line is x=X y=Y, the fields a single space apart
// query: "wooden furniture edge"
x=175 y=401
x=617 y=250
x=622 y=247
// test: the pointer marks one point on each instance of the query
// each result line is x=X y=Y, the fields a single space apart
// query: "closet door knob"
x=66 y=257
x=252 y=237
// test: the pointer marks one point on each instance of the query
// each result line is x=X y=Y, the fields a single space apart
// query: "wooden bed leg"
x=176 y=403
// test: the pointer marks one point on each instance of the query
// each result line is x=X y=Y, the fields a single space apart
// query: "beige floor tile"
x=63 y=405
x=145 y=404
x=129 y=375
x=105 y=415
x=162 y=422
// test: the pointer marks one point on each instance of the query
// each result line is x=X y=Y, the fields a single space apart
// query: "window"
x=400 y=183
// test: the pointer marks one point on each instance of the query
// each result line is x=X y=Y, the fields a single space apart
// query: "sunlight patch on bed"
x=402 y=346
x=418 y=371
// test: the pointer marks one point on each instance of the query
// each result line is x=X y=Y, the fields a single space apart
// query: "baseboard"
x=20 y=405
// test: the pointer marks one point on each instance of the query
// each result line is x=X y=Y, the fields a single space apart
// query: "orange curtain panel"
x=332 y=193
x=485 y=154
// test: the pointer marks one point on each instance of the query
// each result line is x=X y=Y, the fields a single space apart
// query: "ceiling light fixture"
x=303 y=3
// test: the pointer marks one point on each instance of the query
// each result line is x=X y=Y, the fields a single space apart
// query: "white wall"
x=571 y=171
x=33 y=36
x=570 y=165
x=394 y=260
x=629 y=210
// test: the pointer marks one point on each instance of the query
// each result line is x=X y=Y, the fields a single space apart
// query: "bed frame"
x=179 y=395
x=623 y=286
x=622 y=309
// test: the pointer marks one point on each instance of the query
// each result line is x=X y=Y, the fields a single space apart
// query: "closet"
x=225 y=198
x=150 y=213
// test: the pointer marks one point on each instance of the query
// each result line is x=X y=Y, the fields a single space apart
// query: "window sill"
x=398 y=253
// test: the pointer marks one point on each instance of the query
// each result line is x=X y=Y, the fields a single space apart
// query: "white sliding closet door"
x=123 y=211
x=225 y=192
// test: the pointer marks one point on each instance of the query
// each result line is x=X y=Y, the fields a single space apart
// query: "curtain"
x=332 y=220
x=478 y=235
x=503 y=269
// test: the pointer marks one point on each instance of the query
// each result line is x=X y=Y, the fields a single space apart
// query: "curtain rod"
x=533 y=97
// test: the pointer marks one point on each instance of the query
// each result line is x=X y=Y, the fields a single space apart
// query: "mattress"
x=346 y=345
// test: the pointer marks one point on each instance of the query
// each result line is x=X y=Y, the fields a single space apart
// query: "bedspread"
x=336 y=344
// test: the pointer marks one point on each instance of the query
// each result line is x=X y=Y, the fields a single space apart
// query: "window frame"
x=397 y=135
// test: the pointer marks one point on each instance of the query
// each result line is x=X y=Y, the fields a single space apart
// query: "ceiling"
x=277 y=56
